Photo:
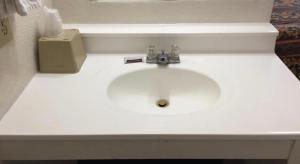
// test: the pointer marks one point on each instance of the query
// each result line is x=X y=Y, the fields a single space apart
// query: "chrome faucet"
x=163 y=58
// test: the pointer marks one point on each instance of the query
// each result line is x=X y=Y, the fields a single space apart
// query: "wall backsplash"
x=18 y=57
x=208 y=11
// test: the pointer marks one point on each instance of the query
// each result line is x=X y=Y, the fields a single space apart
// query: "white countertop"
x=264 y=104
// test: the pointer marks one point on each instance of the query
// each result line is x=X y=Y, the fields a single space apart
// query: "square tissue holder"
x=62 y=54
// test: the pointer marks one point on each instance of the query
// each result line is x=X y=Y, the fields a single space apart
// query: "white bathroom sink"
x=164 y=90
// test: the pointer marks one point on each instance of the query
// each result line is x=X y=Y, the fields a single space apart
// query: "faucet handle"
x=151 y=52
x=174 y=55
x=151 y=55
x=174 y=51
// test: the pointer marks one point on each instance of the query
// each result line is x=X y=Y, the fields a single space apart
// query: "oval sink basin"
x=164 y=91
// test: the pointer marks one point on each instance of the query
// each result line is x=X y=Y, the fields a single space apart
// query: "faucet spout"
x=163 y=58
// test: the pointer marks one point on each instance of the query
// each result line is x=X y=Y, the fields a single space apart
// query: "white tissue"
x=53 y=25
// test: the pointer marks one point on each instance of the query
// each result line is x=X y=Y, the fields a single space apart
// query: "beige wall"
x=83 y=11
x=18 y=57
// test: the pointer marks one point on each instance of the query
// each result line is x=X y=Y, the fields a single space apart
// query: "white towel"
x=22 y=7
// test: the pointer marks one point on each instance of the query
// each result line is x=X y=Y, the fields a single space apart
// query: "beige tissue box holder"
x=62 y=54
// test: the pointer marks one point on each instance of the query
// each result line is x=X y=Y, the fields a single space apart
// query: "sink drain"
x=162 y=103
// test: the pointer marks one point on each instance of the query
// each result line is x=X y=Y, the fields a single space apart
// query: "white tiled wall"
x=18 y=57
